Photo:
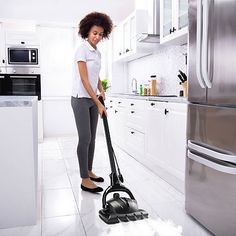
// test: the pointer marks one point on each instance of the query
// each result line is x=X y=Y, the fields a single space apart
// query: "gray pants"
x=86 y=118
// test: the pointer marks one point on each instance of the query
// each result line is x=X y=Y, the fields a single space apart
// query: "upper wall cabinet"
x=174 y=21
x=126 y=46
x=22 y=38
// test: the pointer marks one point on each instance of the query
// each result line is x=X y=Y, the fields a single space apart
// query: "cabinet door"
x=155 y=133
x=126 y=36
x=22 y=38
x=117 y=42
x=132 y=32
x=2 y=47
x=167 y=16
x=110 y=106
x=135 y=144
x=182 y=17
x=174 y=21
x=176 y=120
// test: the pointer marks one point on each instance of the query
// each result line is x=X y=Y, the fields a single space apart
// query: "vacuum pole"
x=108 y=139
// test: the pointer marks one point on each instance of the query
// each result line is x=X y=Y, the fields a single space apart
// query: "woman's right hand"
x=101 y=109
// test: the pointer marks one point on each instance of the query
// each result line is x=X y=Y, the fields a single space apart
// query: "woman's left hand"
x=103 y=95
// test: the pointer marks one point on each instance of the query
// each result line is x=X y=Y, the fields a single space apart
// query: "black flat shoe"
x=99 y=179
x=91 y=190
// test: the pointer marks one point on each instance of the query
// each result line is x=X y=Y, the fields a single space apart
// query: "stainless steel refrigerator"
x=210 y=178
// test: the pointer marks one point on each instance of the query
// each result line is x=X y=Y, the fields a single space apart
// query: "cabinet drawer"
x=136 y=120
x=136 y=105
x=135 y=143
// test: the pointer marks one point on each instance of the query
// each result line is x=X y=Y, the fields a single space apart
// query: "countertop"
x=162 y=98
x=17 y=101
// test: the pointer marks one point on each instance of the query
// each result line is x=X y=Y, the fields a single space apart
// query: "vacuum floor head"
x=120 y=209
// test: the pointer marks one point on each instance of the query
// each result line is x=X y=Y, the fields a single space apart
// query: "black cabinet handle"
x=127 y=50
x=172 y=30
x=166 y=111
x=3 y=61
x=152 y=104
x=116 y=111
x=119 y=102
x=131 y=104
x=110 y=100
x=132 y=132
x=132 y=112
x=111 y=106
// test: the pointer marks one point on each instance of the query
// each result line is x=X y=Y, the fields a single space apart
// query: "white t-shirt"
x=85 y=52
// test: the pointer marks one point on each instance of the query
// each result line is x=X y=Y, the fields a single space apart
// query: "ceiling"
x=66 y=11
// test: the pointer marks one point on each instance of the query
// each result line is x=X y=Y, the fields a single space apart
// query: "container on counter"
x=153 y=84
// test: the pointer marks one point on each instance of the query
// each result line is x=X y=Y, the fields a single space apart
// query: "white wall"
x=57 y=64
x=57 y=47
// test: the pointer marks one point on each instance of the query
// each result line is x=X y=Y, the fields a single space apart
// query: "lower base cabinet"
x=152 y=132
x=165 y=141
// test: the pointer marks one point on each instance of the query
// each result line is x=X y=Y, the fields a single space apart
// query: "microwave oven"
x=22 y=56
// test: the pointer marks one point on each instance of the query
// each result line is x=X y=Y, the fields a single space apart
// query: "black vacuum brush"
x=118 y=208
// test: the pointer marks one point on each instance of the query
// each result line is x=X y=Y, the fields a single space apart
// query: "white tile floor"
x=65 y=210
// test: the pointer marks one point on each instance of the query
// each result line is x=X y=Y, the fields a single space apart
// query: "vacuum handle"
x=114 y=189
x=100 y=98
x=108 y=139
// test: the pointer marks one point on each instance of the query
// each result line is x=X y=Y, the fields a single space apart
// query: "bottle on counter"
x=141 y=90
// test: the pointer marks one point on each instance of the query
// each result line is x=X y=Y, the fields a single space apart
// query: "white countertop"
x=161 y=98
x=17 y=101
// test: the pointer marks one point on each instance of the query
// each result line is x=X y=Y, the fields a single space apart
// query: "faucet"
x=134 y=86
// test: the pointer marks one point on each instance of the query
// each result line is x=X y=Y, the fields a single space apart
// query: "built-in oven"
x=22 y=56
x=20 y=85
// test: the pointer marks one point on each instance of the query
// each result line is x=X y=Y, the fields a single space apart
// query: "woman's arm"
x=84 y=78
x=100 y=88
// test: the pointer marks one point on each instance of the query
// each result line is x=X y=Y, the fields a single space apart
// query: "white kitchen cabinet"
x=165 y=141
x=126 y=46
x=176 y=137
x=135 y=131
x=110 y=105
x=117 y=42
x=135 y=143
x=18 y=161
x=117 y=119
x=135 y=114
x=174 y=21
x=155 y=133
x=22 y=38
x=2 y=49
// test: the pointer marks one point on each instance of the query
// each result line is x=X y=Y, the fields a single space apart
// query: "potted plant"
x=105 y=85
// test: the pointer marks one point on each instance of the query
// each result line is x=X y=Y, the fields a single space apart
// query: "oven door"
x=20 y=85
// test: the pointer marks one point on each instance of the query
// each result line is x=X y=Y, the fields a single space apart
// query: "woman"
x=93 y=28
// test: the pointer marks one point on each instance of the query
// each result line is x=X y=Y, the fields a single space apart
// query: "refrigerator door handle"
x=199 y=45
x=205 y=72
x=211 y=153
x=226 y=168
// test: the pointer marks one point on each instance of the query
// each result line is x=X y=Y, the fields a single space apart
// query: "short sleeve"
x=80 y=54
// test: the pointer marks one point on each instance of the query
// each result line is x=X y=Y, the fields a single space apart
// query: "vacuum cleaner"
x=117 y=209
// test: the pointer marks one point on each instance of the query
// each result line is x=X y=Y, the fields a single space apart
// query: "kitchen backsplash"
x=165 y=64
